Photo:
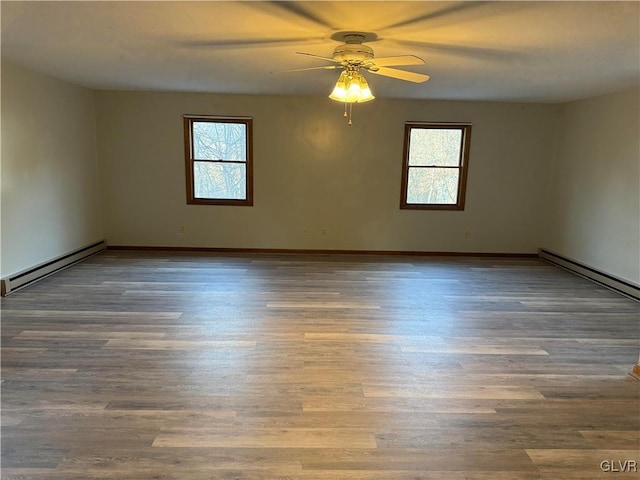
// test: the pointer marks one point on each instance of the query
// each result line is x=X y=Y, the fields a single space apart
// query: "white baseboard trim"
x=605 y=279
x=26 y=277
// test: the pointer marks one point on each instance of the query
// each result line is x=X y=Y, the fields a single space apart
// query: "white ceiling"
x=507 y=51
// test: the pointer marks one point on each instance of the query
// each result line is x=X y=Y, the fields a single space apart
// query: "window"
x=218 y=154
x=434 y=173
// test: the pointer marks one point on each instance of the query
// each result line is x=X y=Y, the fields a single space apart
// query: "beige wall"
x=562 y=177
x=50 y=200
x=594 y=200
x=314 y=172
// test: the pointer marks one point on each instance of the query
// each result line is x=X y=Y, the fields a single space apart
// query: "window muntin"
x=218 y=152
x=435 y=166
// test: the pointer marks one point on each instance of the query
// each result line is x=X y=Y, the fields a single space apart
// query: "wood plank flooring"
x=151 y=365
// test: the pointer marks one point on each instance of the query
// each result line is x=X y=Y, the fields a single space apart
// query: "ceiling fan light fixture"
x=339 y=93
x=351 y=87
x=365 y=91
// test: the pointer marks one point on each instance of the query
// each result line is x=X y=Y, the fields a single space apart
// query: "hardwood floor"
x=280 y=367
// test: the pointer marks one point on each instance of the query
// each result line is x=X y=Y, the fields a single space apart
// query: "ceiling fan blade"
x=401 y=74
x=397 y=61
x=318 y=56
x=494 y=54
x=326 y=67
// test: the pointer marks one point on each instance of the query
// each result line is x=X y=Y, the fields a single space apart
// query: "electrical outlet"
x=467 y=234
x=305 y=232
x=323 y=232
x=181 y=228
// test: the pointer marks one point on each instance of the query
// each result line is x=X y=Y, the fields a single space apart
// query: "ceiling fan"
x=354 y=55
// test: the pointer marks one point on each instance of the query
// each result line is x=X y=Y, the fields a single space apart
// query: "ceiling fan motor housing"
x=353 y=51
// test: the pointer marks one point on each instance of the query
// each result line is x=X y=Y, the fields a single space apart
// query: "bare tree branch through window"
x=435 y=166
x=218 y=160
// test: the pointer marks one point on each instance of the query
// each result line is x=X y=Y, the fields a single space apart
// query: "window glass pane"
x=219 y=141
x=430 y=146
x=220 y=180
x=433 y=185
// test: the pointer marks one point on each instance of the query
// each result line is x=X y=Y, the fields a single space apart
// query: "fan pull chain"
x=348 y=115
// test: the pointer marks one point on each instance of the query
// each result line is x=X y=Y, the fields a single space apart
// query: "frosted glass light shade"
x=351 y=87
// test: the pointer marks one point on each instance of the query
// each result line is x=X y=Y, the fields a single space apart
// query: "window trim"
x=463 y=168
x=188 y=121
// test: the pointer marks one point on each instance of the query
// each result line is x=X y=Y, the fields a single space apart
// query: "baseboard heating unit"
x=619 y=285
x=26 y=277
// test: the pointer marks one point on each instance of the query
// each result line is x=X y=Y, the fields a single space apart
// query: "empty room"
x=356 y=240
